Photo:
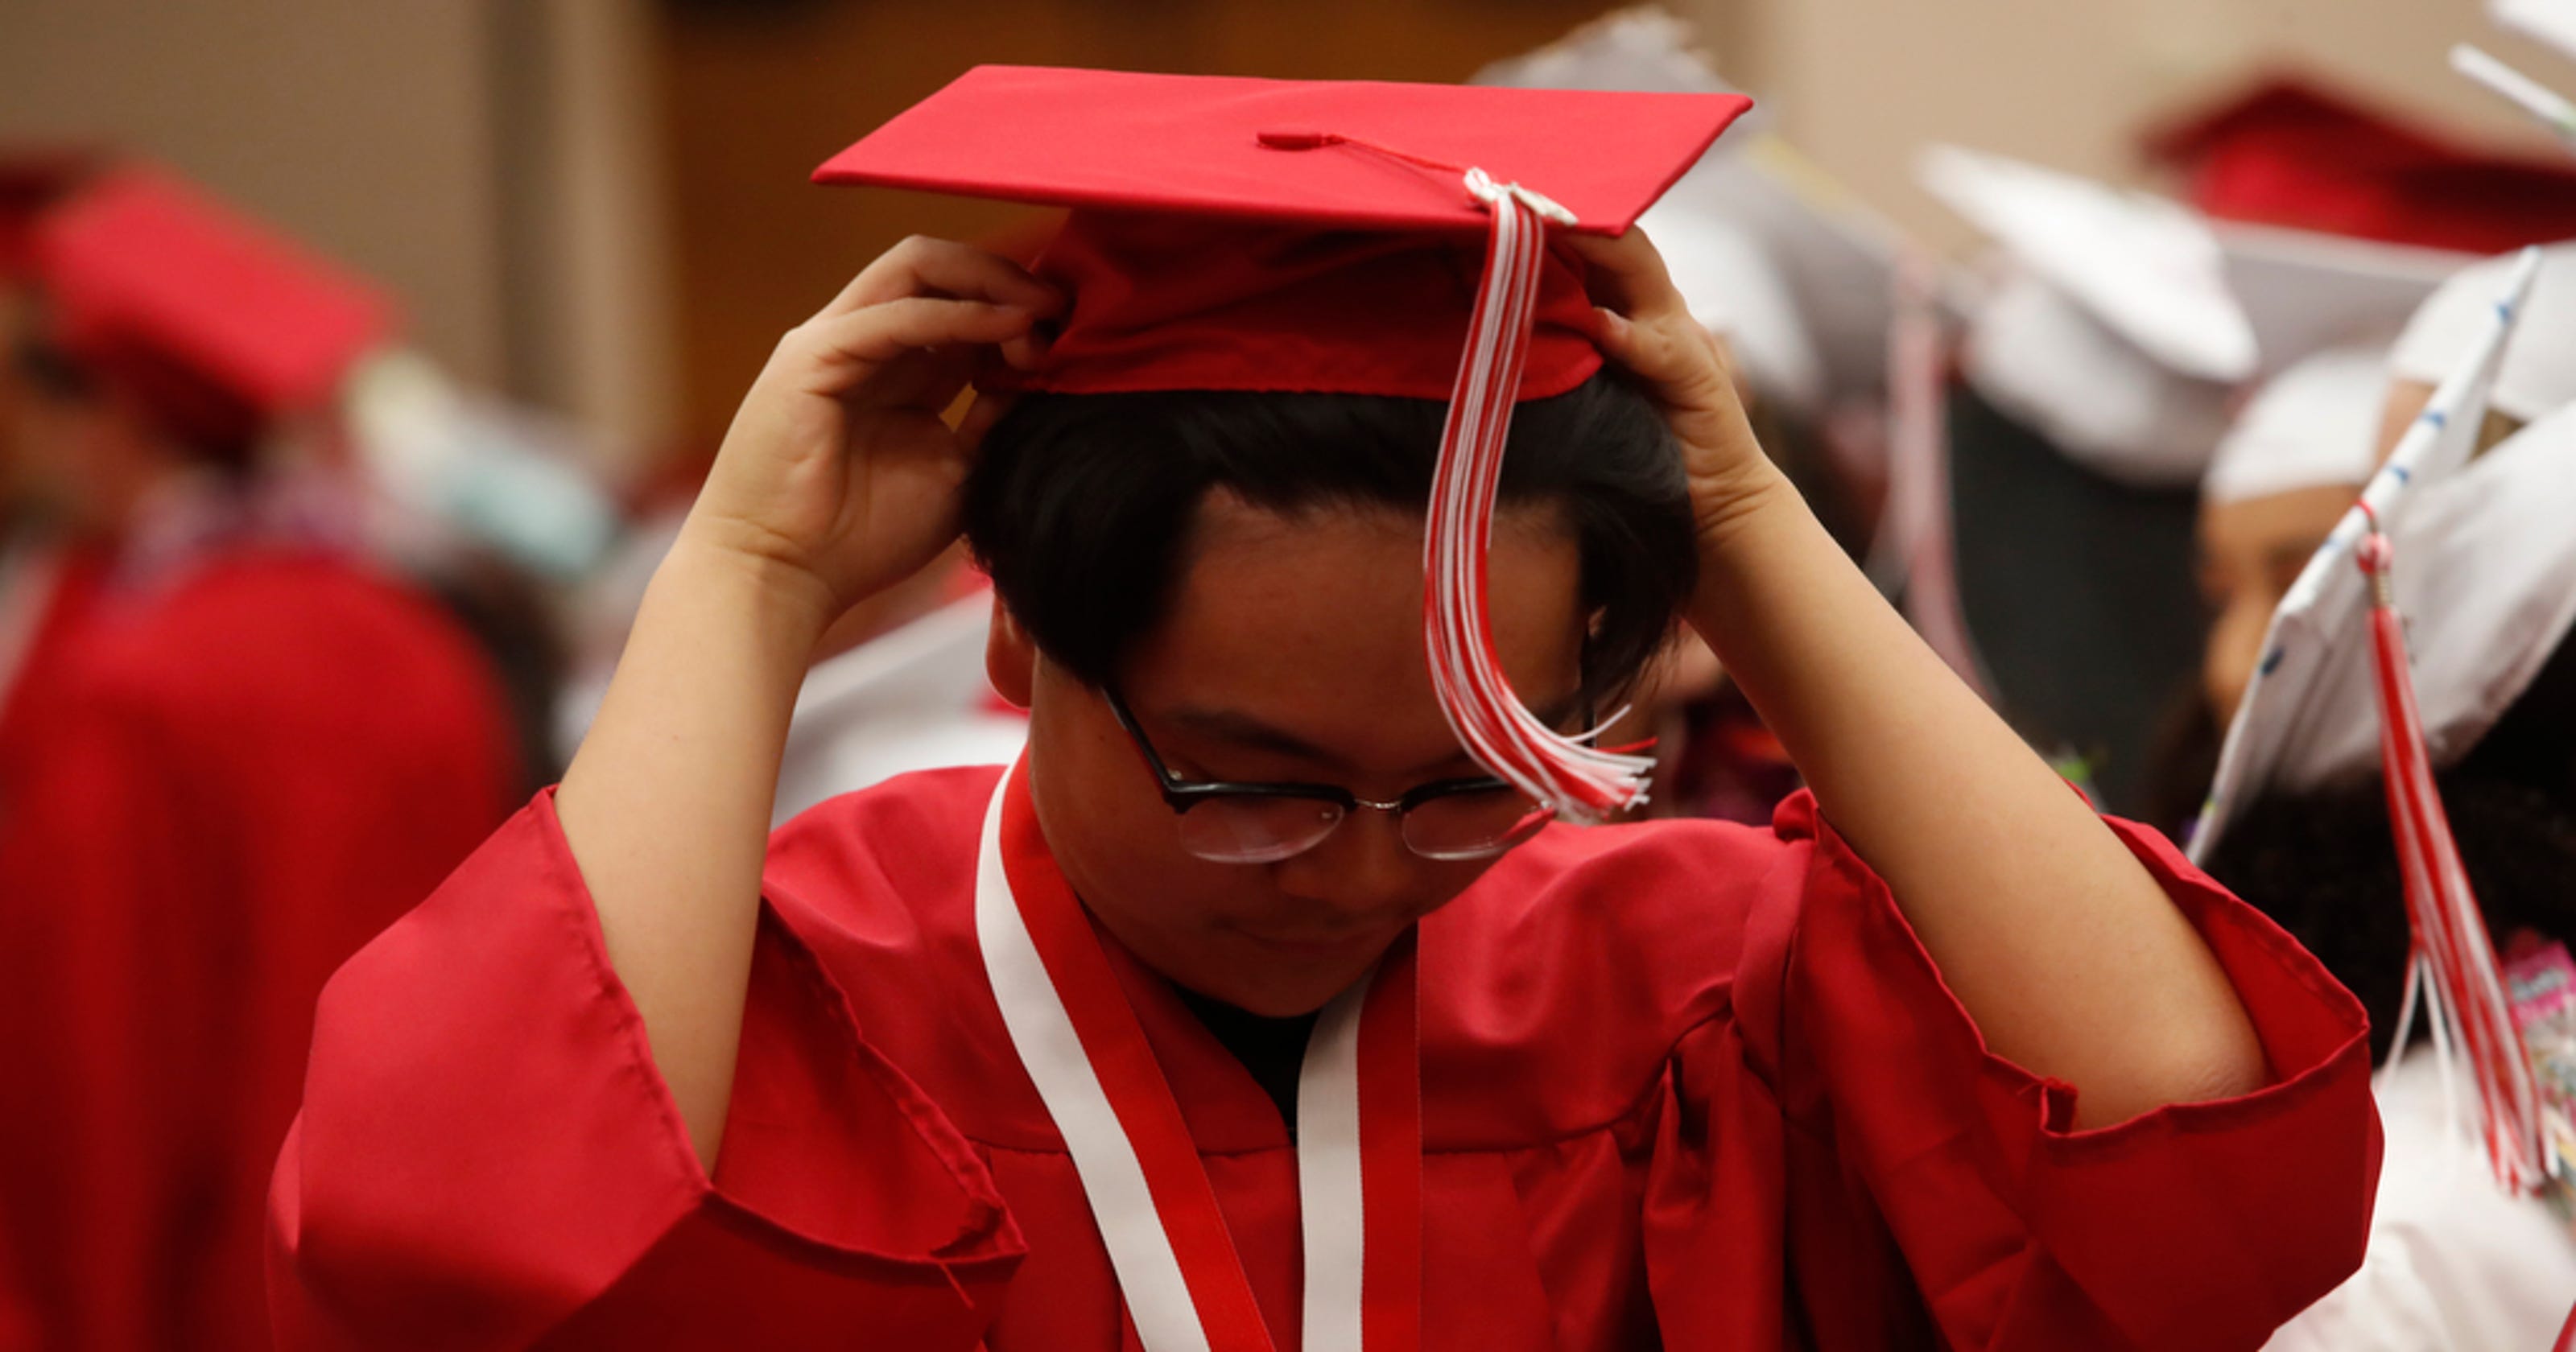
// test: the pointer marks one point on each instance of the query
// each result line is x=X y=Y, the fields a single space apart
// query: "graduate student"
x=2304 y=445
x=252 y=754
x=2485 y=573
x=1249 y=1009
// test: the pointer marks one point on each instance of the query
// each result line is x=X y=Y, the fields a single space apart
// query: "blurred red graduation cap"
x=2289 y=151
x=32 y=180
x=218 y=325
x=1334 y=237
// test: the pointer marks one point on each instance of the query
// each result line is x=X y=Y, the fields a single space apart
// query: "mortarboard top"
x=2310 y=714
x=1285 y=235
x=2304 y=291
x=204 y=313
x=2539 y=372
x=2291 y=152
x=2146 y=267
x=2314 y=425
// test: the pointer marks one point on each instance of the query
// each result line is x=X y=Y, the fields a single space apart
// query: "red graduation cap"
x=1247 y=234
x=218 y=325
x=2291 y=152
x=1335 y=236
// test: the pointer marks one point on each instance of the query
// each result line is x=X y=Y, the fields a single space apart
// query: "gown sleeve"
x=1932 y=1193
x=486 y=1157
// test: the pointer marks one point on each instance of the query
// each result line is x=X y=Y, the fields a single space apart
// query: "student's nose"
x=1362 y=872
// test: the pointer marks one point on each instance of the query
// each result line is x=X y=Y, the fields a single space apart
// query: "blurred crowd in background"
x=359 y=367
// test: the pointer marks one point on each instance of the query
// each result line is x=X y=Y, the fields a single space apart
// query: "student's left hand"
x=1643 y=324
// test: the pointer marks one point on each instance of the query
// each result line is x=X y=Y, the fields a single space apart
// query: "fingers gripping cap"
x=1332 y=237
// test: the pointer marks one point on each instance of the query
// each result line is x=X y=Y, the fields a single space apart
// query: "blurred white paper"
x=2544 y=105
x=2146 y=267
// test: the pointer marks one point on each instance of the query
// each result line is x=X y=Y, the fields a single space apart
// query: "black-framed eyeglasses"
x=1236 y=822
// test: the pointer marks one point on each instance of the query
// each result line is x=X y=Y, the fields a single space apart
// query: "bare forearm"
x=666 y=809
x=2061 y=945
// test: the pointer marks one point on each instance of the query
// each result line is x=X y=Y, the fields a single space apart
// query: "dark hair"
x=220 y=429
x=1079 y=505
x=2323 y=862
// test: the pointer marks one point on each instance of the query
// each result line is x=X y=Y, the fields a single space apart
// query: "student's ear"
x=1010 y=659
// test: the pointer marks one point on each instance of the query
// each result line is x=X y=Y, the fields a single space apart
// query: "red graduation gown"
x=1686 y=1084
x=56 y=588
x=223 y=788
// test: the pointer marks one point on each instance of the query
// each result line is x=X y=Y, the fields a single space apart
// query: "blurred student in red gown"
x=251 y=753
x=42 y=585
x=44 y=580
x=1251 y=1010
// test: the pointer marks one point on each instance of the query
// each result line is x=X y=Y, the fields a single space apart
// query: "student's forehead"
x=1348 y=595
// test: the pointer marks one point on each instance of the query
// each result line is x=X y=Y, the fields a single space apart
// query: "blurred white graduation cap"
x=2302 y=290
x=2144 y=266
x=2313 y=425
x=2126 y=320
x=2538 y=375
x=2049 y=363
x=2112 y=333
x=2485 y=575
x=1795 y=271
x=2316 y=421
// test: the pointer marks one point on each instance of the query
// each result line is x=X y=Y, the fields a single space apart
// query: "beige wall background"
x=366 y=126
x=1861 y=84
x=492 y=161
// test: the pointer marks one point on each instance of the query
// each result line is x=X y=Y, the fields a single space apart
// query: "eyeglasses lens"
x=1473 y=825
x=1256 y=830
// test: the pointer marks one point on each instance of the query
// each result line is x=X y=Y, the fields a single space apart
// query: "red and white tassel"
x=1580 y=782
x=2453 y=968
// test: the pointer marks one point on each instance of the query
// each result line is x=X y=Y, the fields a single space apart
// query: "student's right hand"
x=839 y=476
